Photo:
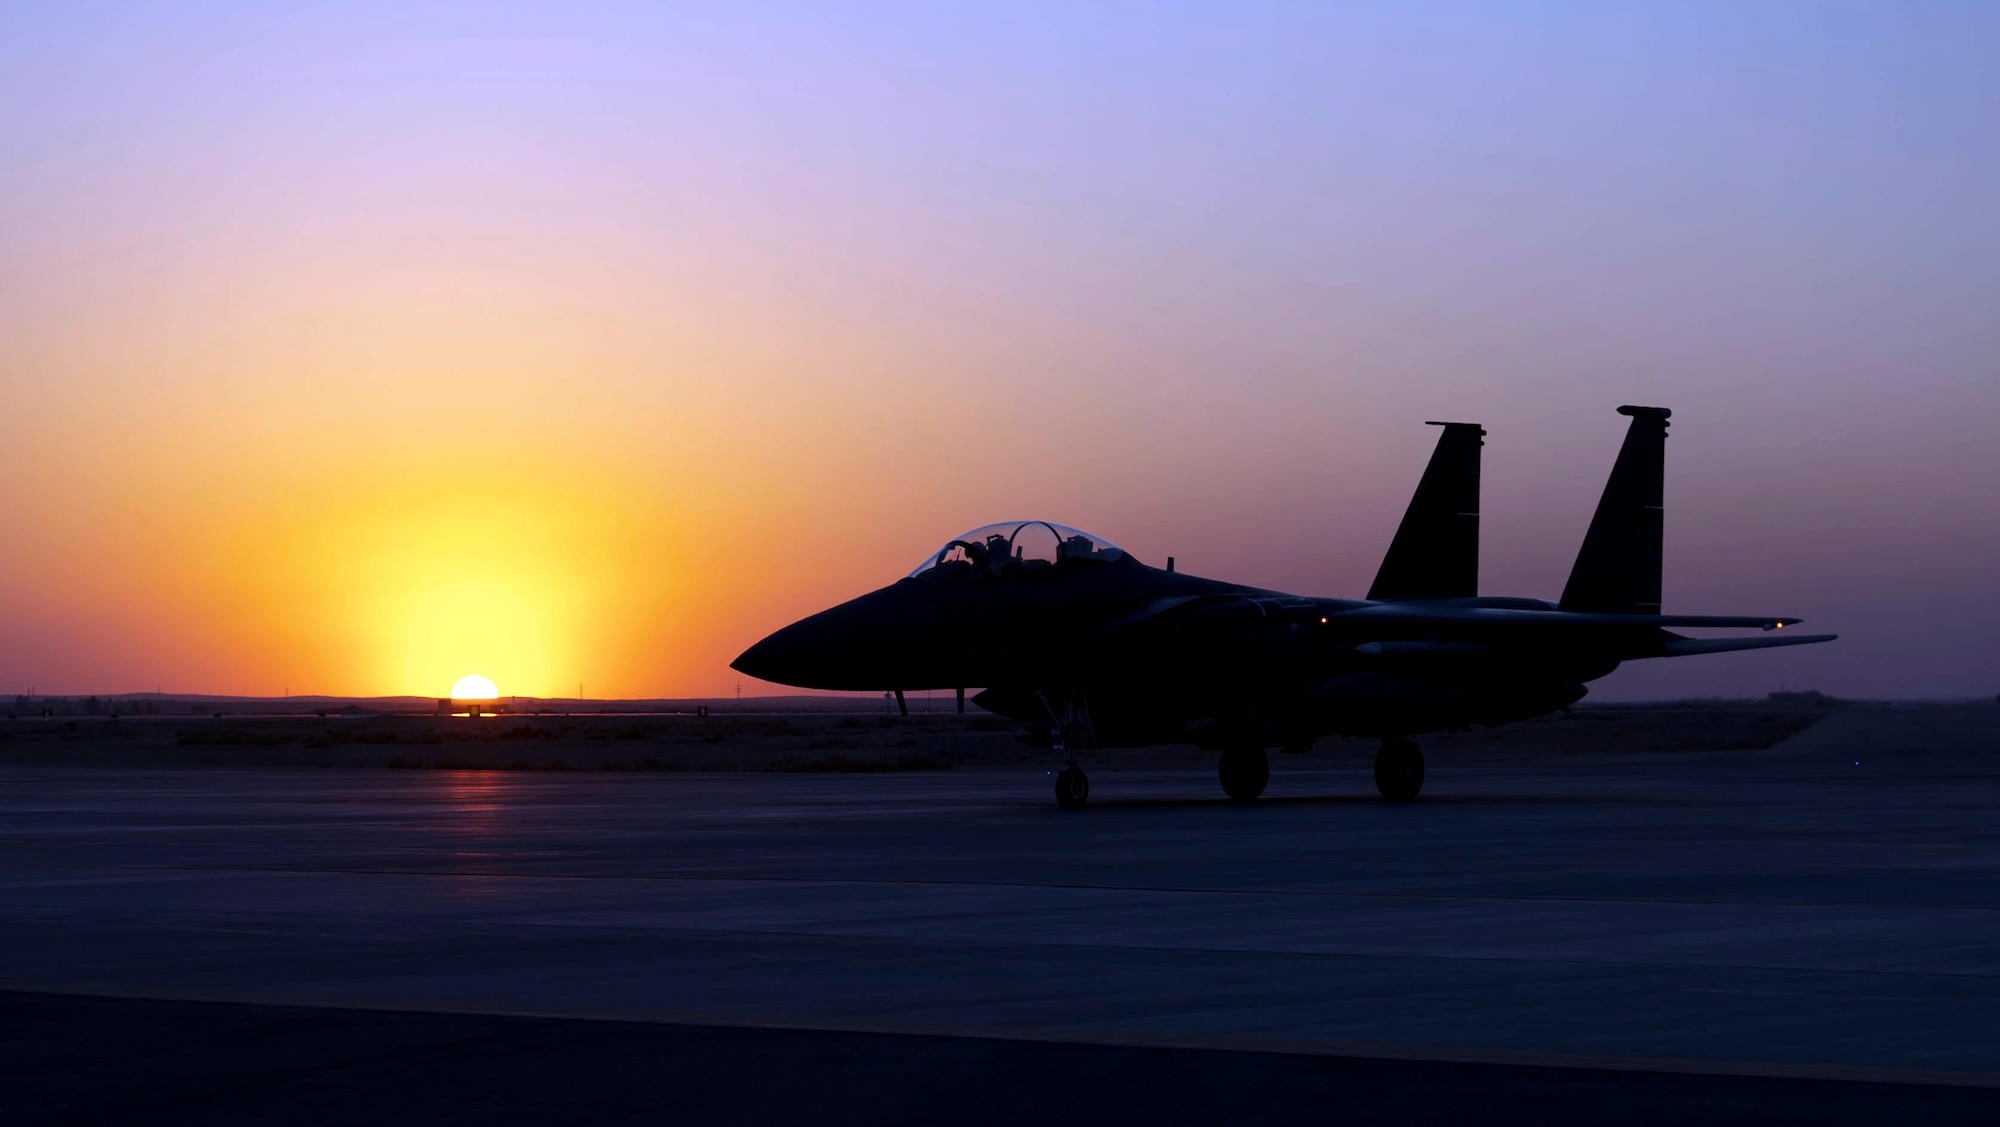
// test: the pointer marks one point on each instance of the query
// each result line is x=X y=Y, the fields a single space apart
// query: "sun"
x=474 y=687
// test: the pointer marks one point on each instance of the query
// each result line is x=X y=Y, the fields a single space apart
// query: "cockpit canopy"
x=1015 y=547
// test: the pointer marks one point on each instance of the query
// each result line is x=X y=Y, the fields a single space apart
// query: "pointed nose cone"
x=777 y=659
x=847 y=647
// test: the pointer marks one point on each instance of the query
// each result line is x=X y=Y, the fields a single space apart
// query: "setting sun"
x=474 y=687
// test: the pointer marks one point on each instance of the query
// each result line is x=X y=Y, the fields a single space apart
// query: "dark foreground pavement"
x=66 y=1059
x=1806 y=934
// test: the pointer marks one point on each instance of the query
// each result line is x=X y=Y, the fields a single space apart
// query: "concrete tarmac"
x=1792 y=914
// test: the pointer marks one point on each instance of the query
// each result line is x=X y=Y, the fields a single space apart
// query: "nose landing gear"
x=1070 y=728
x=1399 y=769
x=1072 y=787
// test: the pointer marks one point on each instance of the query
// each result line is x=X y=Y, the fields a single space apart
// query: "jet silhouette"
x=1088 y=647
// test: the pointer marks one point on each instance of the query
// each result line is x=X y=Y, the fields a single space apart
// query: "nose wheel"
x=1399 y=770
x=1072 y=788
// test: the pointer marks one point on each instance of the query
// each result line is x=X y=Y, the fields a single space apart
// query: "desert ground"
x=747 y=739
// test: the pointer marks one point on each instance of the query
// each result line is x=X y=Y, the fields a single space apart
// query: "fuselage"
x=1163 y=656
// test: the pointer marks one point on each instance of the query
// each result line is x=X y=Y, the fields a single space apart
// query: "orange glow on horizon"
x=345 y=354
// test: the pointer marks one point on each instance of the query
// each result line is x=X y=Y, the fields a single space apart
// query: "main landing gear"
x=1399 y=769
x=1072 y=788
x=1244 y=772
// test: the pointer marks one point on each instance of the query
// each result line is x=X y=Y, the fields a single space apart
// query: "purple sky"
x=738 y=277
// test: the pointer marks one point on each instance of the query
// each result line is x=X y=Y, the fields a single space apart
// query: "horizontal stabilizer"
x=1435 y=554
x=1685 y=647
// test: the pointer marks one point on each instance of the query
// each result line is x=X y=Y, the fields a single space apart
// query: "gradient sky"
x=350 y=348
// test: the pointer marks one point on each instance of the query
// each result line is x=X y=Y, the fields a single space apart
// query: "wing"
x=1409 y=628
x=1477 y=618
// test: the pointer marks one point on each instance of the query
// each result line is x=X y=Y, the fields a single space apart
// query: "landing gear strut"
x=1072 y=787
x=1399 y=769
x=1244 y=771
x=1070 y=728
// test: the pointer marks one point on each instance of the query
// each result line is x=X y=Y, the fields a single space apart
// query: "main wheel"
x=1399 y=770
x=1244 y=771
x=1072 y=788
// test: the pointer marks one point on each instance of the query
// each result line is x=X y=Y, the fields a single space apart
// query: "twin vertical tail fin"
x=1435 y=554
x=1618 y=569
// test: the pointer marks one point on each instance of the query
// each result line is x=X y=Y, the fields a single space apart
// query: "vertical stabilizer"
x=1618 y=569
x=1435 y=554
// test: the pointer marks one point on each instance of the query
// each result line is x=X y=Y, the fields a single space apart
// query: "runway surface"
x=1656 y=927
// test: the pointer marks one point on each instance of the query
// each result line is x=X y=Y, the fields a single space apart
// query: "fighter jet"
x=1068 y=634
